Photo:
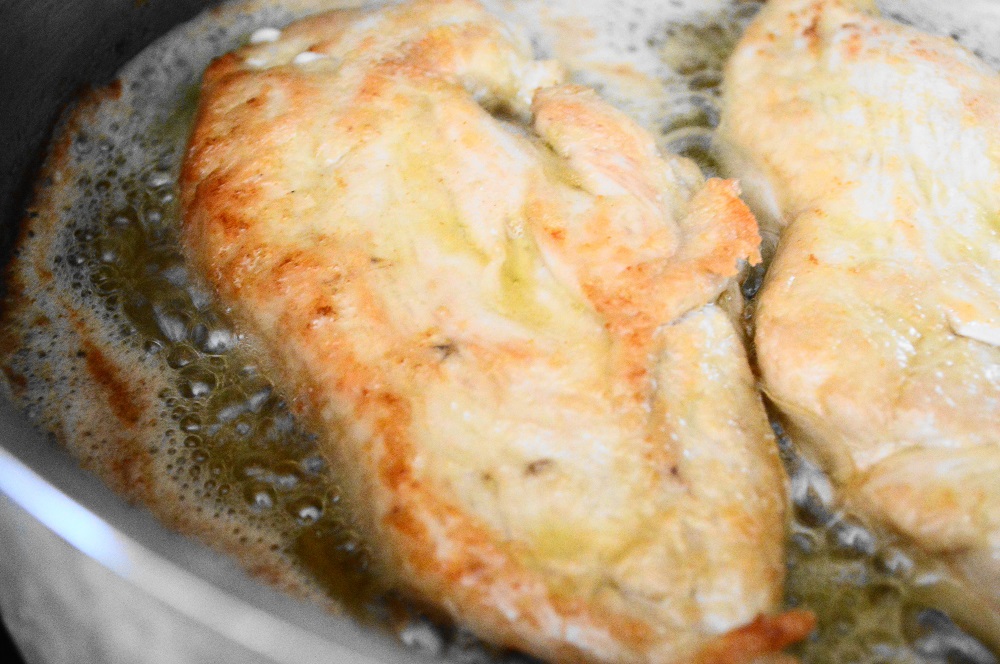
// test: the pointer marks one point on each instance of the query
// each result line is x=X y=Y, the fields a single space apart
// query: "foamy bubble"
x=306 y=57
x=265 y=35
x=423 y=636
x=307 y=510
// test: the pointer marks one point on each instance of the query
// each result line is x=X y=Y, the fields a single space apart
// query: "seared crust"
x=876 y=149
x=505 y=331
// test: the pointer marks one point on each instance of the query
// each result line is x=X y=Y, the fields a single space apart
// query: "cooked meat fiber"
x=497 y=304
x=874 y=151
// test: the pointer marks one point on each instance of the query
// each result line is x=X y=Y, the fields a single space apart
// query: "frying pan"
x=85 y=577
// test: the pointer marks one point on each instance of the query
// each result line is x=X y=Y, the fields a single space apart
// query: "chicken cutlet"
x=499 y=306
x=872 y=150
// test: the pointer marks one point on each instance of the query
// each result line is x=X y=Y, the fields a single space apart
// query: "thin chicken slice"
x=873 y=150
x=496 y=303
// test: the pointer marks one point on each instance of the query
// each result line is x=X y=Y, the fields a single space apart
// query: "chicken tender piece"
x=873 y=150
x=497 y=305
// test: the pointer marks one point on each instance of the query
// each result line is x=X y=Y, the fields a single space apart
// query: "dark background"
x=50 y=50
x=11 y=655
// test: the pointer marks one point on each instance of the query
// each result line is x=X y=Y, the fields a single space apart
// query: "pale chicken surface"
x=873 y=151
x=499 y=307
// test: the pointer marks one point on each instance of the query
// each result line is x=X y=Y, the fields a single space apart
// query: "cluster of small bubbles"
x=856 y=579
x=230 y=444
x=695 y=54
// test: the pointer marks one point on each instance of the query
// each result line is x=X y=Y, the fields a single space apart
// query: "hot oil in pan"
x=232 y=446
x=874 y=598
x=224 y=440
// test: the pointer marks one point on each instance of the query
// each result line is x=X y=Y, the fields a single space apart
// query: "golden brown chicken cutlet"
x=873 y=151
x=499 y=305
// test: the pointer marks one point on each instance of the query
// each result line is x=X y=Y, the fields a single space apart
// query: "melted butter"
x=519 y=283
x=436 y=215
x=232 y=444
x=555 y=167
x=237 y=445
x=555 y=541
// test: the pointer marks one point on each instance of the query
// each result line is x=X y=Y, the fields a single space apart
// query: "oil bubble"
x=306 y=510
x=313 y=464
x=286 y=475
x=196 y=382
x=181 y=356
x=218 y=340
x=172 y=324
x=695 y=144
x=158 y=179
x=260 y=497
x=190 y=422
x=259 y=396
x=692 y=111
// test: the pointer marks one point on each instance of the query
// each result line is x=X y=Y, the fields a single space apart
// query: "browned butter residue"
x=124 y=403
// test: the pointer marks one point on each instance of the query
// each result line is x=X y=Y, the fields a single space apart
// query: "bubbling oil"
x=231 y=443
